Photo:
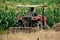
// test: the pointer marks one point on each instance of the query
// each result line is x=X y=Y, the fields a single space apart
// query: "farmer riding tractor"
x=32 y=19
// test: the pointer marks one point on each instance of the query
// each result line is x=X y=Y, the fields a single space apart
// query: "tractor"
x=31 y=21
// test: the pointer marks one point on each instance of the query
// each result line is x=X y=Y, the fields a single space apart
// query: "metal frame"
x=14 y=29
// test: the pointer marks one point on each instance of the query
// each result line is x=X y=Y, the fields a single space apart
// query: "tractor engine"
x=31 y=21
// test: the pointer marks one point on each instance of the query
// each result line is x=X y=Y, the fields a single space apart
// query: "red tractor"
x=32 y=17
x=31 y=20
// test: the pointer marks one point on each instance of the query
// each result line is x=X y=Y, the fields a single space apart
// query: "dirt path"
x=42 y=35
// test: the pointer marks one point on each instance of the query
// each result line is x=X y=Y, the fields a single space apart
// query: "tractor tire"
x=47 y=27
x=39 y=24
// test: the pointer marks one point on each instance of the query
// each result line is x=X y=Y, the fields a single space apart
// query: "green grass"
x=4 y=32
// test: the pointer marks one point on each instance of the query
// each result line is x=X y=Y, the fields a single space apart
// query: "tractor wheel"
x=47 y=27
x=39 y=24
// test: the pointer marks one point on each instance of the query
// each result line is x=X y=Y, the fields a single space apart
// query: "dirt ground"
x=41 y=35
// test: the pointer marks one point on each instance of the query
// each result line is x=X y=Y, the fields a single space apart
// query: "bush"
x=7 y=19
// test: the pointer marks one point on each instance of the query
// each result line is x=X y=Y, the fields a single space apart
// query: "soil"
x=41 y=35
x=56 y=27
